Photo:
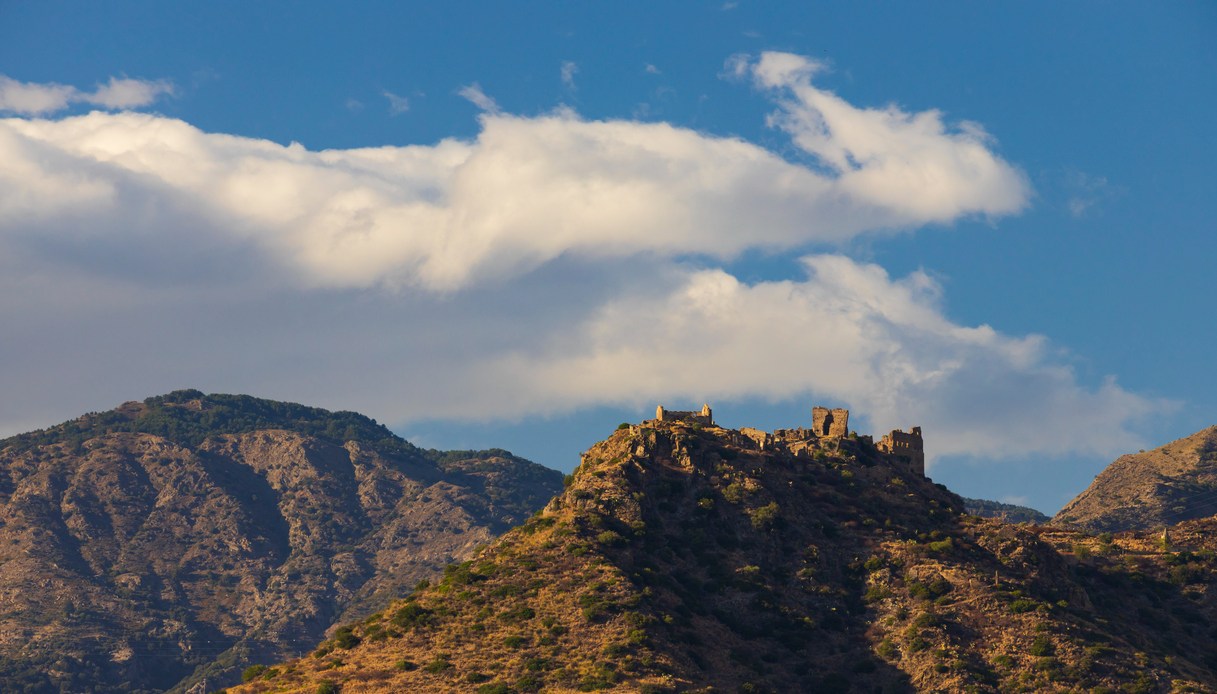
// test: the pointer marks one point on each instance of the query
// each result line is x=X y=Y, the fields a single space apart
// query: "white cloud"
x=30 y=98
x=139 y=254
x=119 y=93
x=910 y=162
x=1087 y=193
x=526 y=191
x=127 y=93
x=569 y=70
x=397 y=104
x=846 y=332
x=651 y=69
x=473 y=94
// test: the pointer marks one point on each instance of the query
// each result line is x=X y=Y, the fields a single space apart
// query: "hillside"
x=1150 y=489
x=1011 y=513
x=684 y=557
x=186 y=535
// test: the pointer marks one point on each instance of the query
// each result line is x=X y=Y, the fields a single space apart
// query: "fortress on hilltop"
x=829 y=427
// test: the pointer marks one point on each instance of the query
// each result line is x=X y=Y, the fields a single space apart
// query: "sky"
x=519 y=224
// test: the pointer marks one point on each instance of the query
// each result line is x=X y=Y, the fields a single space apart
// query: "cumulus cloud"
x=911 y=162
x=527 y=190
x=30 y=98
x=846 y=332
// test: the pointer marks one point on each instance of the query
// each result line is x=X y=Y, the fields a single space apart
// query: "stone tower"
x=906 y=445
x=830 y=423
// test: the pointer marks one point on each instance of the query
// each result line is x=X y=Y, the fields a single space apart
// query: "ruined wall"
x=908 y=445
x=704 y=416
x=833 y=423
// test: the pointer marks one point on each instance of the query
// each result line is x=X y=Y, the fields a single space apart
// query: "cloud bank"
x=550 y=263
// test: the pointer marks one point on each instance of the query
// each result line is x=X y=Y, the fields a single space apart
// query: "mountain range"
x=191 y=541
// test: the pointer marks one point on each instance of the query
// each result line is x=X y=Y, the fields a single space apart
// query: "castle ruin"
x=704 y=417
x=829 y=426
x=830 y=423
x=907 y=445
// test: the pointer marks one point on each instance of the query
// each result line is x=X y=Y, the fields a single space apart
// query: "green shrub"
x=1042 y=646
x=765 y=517
x=1023 y=605
x=252 y=672
x=411 y=615
x=438 y=665
x=328 y=687
x=345 y=638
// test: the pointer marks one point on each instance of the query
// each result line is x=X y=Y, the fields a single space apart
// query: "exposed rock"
x=1150 y=489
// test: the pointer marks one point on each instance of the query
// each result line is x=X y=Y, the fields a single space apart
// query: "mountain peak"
x=1150 y=489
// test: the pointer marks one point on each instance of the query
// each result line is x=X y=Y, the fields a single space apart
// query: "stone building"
x=831 y=423
x=704 y=417
x=907 y=445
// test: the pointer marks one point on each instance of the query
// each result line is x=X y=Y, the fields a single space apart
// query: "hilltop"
x=187 y=535
x=687 y=557
x=1150 y=489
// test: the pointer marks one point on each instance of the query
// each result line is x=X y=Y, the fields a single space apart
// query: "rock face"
x=147 y=547
x=1151 y=489
x=684 y=557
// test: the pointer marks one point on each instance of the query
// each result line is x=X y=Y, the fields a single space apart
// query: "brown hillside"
x=689 y=558
x=1151 y=489
x=134 y=561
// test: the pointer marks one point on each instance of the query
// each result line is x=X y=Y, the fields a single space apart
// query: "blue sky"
x=519 y=224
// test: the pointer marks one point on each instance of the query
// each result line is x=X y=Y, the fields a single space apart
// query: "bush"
x=411 y=615
x=328 y=687
x=252 y=672
x=345 y=638
x=438 y=665
x=1023 y=605
x=765 y=517
x=1042 y=646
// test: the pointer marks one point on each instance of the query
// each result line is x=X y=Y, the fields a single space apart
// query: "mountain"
x=182 y=537
x=1011 y=513
x=1150 y=489
x=686 y=557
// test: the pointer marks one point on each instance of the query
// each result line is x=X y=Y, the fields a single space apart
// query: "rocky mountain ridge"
x=1151 y=489
x=684 y=557
x=182 y=537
